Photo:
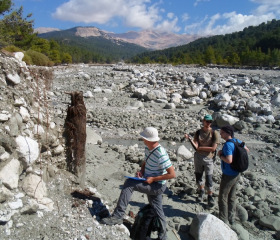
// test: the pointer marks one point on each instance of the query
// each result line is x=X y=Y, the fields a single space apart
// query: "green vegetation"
x=17 y=34
x=254 y=46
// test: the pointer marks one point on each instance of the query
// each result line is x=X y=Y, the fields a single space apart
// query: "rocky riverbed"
x=121 y=100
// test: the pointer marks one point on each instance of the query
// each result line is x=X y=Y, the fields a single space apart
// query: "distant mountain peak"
x=155 y=40
x=147 y=38
x=40 y=30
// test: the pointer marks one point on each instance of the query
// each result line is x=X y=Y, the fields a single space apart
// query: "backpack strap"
x=151 y=153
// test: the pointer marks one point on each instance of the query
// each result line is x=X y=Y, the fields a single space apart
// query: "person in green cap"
x=205 y=142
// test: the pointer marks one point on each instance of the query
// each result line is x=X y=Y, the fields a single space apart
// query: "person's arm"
x=227 y=159
x=208 y=149
x=140 y=173
x=193 y=142
x=169 y=175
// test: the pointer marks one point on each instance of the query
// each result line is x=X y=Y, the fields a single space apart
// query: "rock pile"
x=35 y=196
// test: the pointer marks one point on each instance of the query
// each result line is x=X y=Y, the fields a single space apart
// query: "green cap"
x=208 y=118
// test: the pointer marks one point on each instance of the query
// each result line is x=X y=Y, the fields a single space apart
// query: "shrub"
x=38 y=59
x=12 y=48
x=27 y=59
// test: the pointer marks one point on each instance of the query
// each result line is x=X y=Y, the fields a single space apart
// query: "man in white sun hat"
x=156 y=169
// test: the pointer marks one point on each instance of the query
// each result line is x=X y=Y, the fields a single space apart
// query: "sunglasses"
x=208 y=121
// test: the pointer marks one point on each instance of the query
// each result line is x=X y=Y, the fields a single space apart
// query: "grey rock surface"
x=121 y=101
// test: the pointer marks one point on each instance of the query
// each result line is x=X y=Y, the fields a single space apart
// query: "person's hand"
x=139 y=174
x=187 y=136
x=149 y=180
x=219 y=153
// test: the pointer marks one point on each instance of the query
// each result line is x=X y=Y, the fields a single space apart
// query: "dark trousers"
x=154 y=192
x=227 y=198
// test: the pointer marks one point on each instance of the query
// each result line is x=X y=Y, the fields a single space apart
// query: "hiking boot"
x=201 y=195
x=112 y=220
x=211 y=202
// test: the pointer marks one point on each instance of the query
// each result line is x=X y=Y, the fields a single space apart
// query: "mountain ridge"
x=147 y=38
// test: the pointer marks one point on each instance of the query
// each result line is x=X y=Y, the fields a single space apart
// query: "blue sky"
x=201 y=17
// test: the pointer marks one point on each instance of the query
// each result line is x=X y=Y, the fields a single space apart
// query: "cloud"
x=166 y=26
x=266 y=6
x=198 y=1
x=233 y=22
x=185 y=17
x=132 y=13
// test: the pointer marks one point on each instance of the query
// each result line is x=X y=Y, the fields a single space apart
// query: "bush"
x=37 y=58
x=27 y=59
x=12 y=48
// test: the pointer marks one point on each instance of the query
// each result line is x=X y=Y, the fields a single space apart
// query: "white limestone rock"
x=207 y=226
x=275 y=100
x=28 y=149
x=92 y=137
x=58 y=150
x=88 y=94
x=34 y=186
x=5 y=194
x=223 y=97
x=24 y=114
x=205 y=78
x=15 y=204
x=224 y=119
x=176 y=98
x=14 y=78
x=19 y=55
x=9 y=174
x=184 y=153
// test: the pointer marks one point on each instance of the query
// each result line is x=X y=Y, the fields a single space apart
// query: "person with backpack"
x=205 y=143
x=156 y=169
x=230 y=176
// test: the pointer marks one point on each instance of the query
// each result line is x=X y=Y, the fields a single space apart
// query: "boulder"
x=241 y=213
x=34 y=186
x=203 y=79
x=92 y=136
x=9 y=174
x=188 y=93
x=184 y=153
x=5 y=194
x=207 y=226
x=241 y=232
x=170 y=106
x=271 y=222
x=28 y=149
x=24 y=114
x=88 y=94
x=19 y=55
x=176 y=98
x=275 y=100
x=224 y=119
x=13 y=78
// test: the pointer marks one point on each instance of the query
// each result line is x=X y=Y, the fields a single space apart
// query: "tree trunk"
x=75 y=134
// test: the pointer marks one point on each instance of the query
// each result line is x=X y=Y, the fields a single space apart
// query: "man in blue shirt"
x=230 y=177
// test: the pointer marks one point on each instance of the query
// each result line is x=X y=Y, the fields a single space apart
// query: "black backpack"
x=240 y=161
x=146 y=222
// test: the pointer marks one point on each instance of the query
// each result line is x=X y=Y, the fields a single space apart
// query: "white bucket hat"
x=150 y=134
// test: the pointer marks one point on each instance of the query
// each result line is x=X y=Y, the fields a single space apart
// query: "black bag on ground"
x=240 y=161
x=146 y=222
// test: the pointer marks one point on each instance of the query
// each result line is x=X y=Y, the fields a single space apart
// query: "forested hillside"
x=254 y=46
x=93 y=49
x=17 y=35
